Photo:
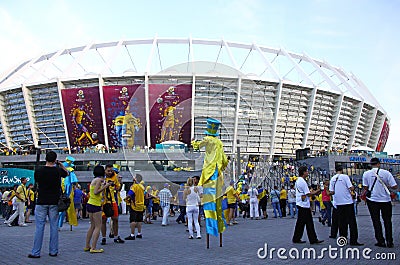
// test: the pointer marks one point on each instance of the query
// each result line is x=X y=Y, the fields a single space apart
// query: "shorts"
x=115 y=208
x=156 y=206
x=263 y=203
x=135 y=216
x=232 y=205
x=93 y=208
x=78 y=206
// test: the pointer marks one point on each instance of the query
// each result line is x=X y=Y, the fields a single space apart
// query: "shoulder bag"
x=63 y=202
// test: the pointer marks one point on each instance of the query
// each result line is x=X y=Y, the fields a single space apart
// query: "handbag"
x=108 y=207
x=63 y=202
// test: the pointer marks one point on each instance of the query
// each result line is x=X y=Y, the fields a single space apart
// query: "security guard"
x=378 y=181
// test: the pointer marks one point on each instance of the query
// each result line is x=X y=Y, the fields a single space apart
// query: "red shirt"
x=325 y=196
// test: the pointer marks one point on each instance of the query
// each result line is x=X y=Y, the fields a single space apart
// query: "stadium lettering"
x=358 y=159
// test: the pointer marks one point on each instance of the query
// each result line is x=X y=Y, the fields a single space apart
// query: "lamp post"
x=38 y=151
x=238 y=158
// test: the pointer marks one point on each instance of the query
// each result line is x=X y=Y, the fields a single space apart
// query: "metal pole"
x=38 y=151
x=238 y=159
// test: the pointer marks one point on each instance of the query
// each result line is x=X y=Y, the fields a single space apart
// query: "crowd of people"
x=335 y=201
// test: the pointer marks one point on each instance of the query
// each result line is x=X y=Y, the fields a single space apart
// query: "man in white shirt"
x=304 y=217
x=340 y=187
x=377 y=181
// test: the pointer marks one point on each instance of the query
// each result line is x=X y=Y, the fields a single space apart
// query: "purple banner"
x=83 y=116
x=125 y=115
x=170 y=112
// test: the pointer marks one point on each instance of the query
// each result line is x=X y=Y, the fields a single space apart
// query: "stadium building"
x=136 y=94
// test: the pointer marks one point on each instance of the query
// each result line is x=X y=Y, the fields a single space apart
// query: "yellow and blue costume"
x=215 y=162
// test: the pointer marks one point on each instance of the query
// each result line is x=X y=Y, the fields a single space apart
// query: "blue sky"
x=362 y=37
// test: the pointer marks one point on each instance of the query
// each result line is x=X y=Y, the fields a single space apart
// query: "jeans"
x=292 y=207
x=181 y=217
x=42 y=211
x=328 y=212
x=165 y=215
x=276 y=206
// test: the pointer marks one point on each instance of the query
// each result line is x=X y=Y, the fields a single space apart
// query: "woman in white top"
x=253 y=202
x=191 y=195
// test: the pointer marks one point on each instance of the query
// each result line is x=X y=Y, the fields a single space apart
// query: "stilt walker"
x=215 y=162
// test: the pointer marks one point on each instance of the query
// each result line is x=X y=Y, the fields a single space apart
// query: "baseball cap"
x=375 y=161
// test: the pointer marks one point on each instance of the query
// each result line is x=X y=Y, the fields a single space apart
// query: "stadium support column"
x=103 y=112
x=29 y=109
x=61 y=86
x=193 y=100
x=354 y=129
x=147 y=106
x=4 y=123
x=335 y=123
x=277 y=106
x=236 y=141
x=309 y=117
x=371 y=126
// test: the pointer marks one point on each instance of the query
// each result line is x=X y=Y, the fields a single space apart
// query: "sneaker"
x=130 y=237
x=139 y=236
x=53 y=255
x=198 y=237
x=190 y=237
x=33 y=256
x=119 y=240
x=103 y=241
x=9 y=225
x=100 y=250
x=23 y=225
x=111 y=235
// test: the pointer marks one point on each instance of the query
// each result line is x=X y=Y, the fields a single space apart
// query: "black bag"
x=63 y=202
x=108 y=207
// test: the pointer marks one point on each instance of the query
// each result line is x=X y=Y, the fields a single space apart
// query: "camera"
x=111 y=183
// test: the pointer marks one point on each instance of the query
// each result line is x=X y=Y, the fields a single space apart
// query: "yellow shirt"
x=112 y=189
x=230 y=194
x=138 y=204
x=214 y=158
x=21 y=190
x=31 y=195
x=283 y=195
x=94 y=199
x=155 y=198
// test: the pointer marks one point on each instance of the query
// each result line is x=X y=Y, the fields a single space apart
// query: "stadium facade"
x=138 y=93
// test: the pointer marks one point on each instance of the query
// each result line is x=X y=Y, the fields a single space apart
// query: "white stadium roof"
x=155 y=55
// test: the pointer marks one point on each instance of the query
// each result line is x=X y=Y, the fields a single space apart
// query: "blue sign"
x=12 y=176
x=358 y=159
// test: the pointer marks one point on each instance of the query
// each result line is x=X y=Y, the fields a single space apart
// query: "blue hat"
x=212 y=127
x=70 y=159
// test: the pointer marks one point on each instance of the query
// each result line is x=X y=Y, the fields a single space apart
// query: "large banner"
x=383 y=137
x=125 y=115
x=170 y=112
x=12 y=176
x=83 y=116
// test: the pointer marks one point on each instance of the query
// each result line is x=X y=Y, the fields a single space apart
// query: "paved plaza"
x=170 y=244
